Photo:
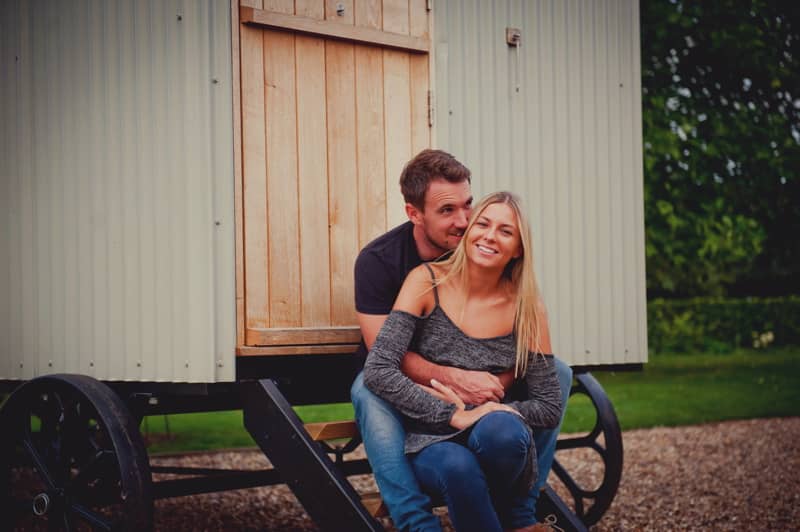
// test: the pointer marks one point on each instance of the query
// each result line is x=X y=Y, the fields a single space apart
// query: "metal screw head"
x=180 y=17
x=340 y=9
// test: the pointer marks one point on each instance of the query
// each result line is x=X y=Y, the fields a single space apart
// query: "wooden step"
x=332 y=430
x=374 y=504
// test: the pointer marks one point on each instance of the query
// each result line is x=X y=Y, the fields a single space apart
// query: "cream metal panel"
x=116 y=139
x=557 y=120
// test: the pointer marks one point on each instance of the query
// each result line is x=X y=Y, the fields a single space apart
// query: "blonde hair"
x=519 y=272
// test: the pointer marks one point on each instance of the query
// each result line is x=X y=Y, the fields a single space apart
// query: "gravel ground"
x=738 y=475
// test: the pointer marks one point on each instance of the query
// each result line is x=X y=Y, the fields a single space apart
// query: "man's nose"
x=462 y=220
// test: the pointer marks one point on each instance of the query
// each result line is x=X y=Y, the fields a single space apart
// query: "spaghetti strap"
x=433 y=283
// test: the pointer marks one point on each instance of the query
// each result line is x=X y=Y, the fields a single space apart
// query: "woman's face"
x=494 y=239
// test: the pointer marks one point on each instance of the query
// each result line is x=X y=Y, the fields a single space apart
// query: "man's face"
x=440 y=226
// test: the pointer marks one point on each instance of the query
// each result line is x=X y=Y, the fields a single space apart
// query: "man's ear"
x=414 y=214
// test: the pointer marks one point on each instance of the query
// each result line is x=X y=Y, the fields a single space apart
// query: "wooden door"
x=334 y=101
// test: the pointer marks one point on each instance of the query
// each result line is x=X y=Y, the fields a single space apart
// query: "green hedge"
x=707 y=324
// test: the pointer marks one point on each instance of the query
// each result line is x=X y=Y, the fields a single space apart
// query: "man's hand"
x=474 y=387
x=463 y=418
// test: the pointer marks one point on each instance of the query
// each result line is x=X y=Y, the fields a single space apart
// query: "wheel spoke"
x=39 y=464
x=91 y=469
x=97 y=521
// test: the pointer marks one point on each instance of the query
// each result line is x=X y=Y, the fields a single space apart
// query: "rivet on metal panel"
x=219 y=363
x=217 y=222
x=21 y=364
x=180 y=17
x=588 y=352
x=214 y=80
x=91 y=363
x=187 y=364
x=340 y=9
x=50 y=363
x=139 y=364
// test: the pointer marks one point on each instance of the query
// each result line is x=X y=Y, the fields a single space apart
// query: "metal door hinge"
x=430 y=108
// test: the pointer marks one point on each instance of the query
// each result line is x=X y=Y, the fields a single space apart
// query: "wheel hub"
x=41 y=503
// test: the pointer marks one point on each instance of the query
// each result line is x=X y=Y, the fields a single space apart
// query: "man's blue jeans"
x=382 y=430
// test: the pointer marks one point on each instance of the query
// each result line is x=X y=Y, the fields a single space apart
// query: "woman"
x=480 y=309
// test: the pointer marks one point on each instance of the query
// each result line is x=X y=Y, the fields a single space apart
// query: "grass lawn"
x=671 y=390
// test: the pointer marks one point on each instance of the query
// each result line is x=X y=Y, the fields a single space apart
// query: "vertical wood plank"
x=418 y=84
x=280 y=6
x=342 y=171
x=313 y=181
x=370 y=131
x=419 y=25
x=284 y=253
x=310 y=8
x=254 y=172
x=369 y=13
x=397 y=116
x=395 y=16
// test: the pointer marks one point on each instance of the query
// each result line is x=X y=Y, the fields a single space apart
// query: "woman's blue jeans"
x=382 y=430
x=475 y=476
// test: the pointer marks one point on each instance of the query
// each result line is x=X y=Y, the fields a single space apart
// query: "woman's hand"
x=463 y=418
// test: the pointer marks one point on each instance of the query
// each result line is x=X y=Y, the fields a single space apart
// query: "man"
x=436 y=189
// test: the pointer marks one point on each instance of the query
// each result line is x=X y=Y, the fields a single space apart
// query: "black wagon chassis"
x=73 y=454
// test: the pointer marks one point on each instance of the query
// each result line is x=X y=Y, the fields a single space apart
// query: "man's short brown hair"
x=424 y=168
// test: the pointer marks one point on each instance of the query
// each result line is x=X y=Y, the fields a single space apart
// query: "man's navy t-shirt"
x=380 y=270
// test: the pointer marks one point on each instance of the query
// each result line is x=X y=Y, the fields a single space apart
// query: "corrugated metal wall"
x=557 y=120
x=116 y=196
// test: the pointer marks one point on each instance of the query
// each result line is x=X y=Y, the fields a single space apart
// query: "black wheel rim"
x=590 y=504
x=73 y=458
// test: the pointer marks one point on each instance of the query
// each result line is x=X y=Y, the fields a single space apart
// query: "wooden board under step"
x=332 y=430
x=374 y=504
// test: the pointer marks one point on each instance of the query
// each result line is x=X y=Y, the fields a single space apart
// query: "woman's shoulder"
x=415 y=296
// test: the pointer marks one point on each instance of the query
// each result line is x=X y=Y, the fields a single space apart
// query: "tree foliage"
x=721 y=113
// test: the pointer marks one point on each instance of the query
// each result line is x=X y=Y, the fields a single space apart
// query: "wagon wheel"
x=610 y=452
x=72 y=458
